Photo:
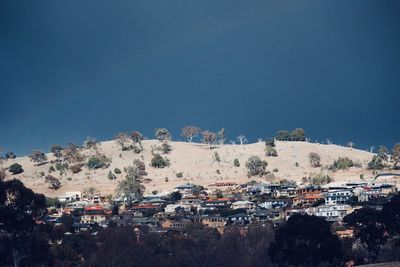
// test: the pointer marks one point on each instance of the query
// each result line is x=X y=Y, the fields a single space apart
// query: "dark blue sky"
x=69 y=69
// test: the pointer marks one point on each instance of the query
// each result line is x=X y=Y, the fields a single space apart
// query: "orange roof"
x=345 y=232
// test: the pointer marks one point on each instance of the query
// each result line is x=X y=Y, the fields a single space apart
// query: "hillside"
x=196 y=163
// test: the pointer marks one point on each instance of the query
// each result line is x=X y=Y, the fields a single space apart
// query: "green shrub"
x=270 y=142
x=376 y=163
x=179 y=175
x=321 y=179
x=154 y=192
x=110 y=175
x=255 y=166
x=94 y=163
x=296 y=164
x=76 y=168
x=343 y=163
x=52 y=169
x=236 y=163
x=166 y=148
x=159 y=162
x=54 y=183
x=315 y=159
x=117 y=171
x=38 y=156
x=216 y=157
x=270 y=151
x=16 y=168
x=275 y=170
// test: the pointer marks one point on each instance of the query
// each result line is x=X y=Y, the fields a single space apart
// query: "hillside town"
x=223 y=204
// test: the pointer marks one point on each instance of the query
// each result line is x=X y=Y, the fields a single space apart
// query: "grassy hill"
x=197 y=164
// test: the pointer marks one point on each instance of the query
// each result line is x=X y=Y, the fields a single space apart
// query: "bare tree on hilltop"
x=209 y=137
x=221 y=136
x=189 y=132
x=162 y=134
x=122 y=139
x=396 y=155
x=351 y=144
x=137 y=137
x=242 y=139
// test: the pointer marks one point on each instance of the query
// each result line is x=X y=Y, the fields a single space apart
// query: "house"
x=218 y=203
x=292 y=211
x=309 y=190
x=269 y=215
x=243 y=204
x=154 y=201
x=190 y=201
x=210 y=221
x=223 y=186
x=185 y=189
x=77 y=204
x=331 y=212
x=94 y=199
x=274 y=203
x=239 y=219
x=176 y=224
x=345 y=233
x=150 y=222
x=307 y=199
x=94 y=214
x=146 y=207
x=171 y=208
x=333 y=197
x=263 y=188
x=70 y=196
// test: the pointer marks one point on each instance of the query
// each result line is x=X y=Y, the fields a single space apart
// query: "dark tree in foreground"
x=369 y=229
x=19 y=208
x=305 y=241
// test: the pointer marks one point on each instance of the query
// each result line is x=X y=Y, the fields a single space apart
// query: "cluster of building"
x=236 y=204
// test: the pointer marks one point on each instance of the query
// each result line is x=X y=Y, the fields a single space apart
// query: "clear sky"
x=71 y=69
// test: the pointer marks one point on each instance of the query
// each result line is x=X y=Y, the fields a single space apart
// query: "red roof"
x=97 y=207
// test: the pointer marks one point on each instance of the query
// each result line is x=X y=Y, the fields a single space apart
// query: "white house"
x=243 y=204
x=171 y=208
x=334 y=197
x=185 y=189
x=70 y=196
x=331 y=211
